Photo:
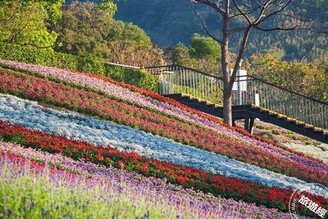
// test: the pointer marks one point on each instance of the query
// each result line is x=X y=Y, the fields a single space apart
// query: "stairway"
x=251 y=112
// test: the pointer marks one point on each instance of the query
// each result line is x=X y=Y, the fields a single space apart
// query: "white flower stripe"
x=78 y=127
x=319 y=152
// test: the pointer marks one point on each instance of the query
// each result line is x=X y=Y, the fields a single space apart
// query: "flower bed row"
x=155 y=101
x=317 y=151
x=101 y=133
x=155 y=190
x=188 y=177
x=33 y=190
x=84 y=101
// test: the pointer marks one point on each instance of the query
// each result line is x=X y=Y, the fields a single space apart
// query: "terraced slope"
x=92 y=119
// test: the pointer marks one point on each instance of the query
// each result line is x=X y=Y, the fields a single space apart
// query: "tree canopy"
x=27 y=22
x=203 y=54
x=310 y=79
x=86 y=29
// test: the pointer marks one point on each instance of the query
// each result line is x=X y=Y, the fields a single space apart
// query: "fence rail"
x=176 y=79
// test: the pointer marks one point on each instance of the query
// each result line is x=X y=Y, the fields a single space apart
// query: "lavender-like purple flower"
x=133 y=186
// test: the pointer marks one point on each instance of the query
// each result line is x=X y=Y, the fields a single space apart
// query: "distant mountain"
x=171 y=21
x=167 y=22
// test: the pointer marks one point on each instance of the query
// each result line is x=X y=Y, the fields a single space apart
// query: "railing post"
x=239 y=84
x=166 y=82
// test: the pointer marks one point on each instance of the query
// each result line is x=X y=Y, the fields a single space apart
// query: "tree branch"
x=239 y=57
x=248 y=13
x=207 y=31
x=276 y=28
x=276 y=12
x=9 y=19
x=236 y=30
x=241 y=12
x=36 y=46
x=262 y=13
x=14 y=35
x=211 y=4
x=298 y=18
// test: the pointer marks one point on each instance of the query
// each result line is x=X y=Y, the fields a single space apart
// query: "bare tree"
x=254 y=14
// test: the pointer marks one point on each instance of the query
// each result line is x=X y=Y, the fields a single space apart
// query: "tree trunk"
x=227 y=103
x=227 y=107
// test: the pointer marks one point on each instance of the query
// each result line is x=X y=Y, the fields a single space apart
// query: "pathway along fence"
x=175 y=79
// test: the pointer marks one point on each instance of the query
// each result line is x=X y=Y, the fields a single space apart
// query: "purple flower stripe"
x=158 y=189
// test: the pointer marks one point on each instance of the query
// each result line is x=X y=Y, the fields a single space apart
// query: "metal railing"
x=286 y=102
x=175 y=79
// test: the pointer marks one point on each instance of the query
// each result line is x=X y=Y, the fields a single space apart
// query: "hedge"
x=49 y=57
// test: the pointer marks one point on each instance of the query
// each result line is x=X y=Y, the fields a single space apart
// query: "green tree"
x=203 y=54
x=86 y=29
x=203 y=47
x=83 y=30
x=207 y=52
x=130 y=44
x=303 y=77
x=52 y=7
x=30 y=22
x=179 y=55
x=27 y=22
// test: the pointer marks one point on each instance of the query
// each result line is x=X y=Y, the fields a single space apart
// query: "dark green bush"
x=49 y=57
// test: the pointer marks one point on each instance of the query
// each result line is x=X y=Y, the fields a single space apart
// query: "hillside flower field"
x=147 y=99
x=87 y=142
x=62 y=95
x=136 y=191
x=123 y=138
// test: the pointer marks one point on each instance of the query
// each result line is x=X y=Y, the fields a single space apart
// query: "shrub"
x=49 y=57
